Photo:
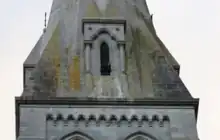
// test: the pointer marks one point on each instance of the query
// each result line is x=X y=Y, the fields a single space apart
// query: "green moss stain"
x=52 y=53
x=136 y=50
x=111 y=10
x=141 y=46
x=93 y=10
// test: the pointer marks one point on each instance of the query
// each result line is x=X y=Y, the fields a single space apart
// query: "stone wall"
x=44 y=122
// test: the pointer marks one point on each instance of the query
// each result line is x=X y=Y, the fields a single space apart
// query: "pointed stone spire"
x=67 y=67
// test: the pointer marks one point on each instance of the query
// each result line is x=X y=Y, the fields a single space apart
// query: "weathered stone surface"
x=66 y=96
x=61 y=51
x=157 y=123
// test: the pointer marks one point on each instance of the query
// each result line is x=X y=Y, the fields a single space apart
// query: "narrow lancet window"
x=104 y=56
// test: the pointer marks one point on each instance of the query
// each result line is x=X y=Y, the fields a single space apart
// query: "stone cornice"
x=106 y=101
x=104 y=21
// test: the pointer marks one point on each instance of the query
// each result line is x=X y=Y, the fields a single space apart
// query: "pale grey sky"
x=189 y=28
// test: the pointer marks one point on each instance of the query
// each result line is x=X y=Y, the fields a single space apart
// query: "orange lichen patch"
x=74 y=73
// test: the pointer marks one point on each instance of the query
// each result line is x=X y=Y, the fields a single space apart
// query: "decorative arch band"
x=137 y=120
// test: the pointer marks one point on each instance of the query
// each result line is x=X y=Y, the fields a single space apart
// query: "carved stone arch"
x=155 y=118
x=49 y=117
x=113 y=118
x=92 y=118
x=124 y=118
x=102 y=117
x=140 y=136
x=103 y=31
x=59 y=117
x=166 y=118
x=81 y=117
x=134 y=118
x=76 y=136
x=144 y=118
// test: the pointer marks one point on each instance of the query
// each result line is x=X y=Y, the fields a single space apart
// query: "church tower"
x=100 y=72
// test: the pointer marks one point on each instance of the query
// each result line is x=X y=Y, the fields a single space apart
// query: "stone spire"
x=58 y=61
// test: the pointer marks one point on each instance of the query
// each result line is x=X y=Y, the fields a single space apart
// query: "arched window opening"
x=140 y=136
x=104 y=57
x=76 y=136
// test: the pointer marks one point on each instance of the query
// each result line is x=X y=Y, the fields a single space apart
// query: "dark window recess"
x=104 y=56
x=31 y=78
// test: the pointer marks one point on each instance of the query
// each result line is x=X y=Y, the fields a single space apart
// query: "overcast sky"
x=189 y=28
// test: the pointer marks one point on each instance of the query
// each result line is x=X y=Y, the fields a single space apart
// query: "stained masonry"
x=140 y=96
